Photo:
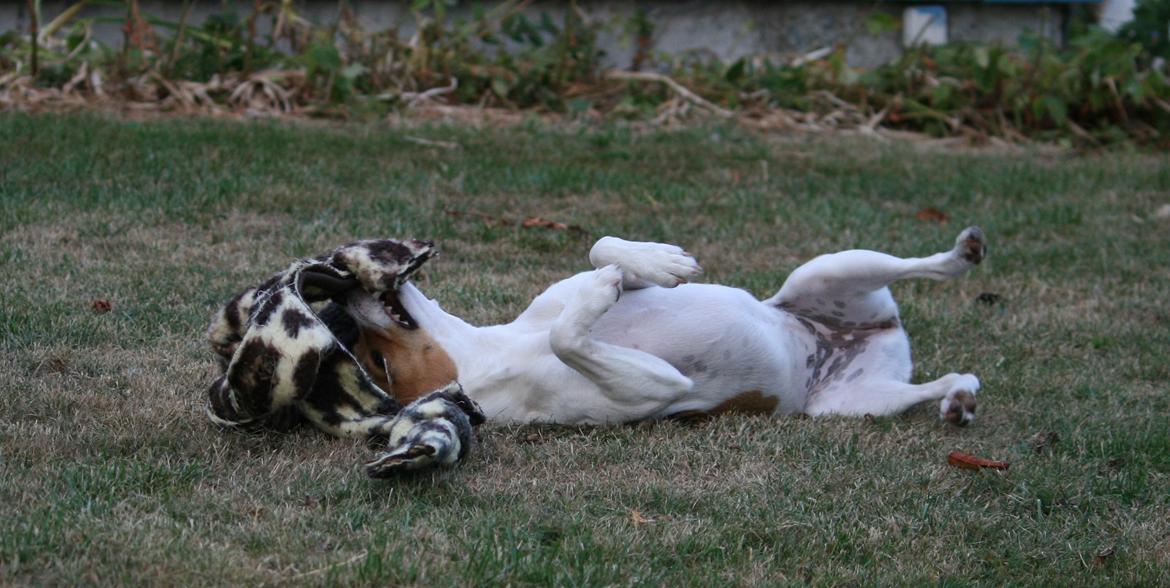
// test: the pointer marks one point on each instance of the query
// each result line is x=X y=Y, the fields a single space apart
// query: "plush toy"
x=287 y=353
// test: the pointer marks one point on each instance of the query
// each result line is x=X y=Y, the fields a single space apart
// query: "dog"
x=634 y=339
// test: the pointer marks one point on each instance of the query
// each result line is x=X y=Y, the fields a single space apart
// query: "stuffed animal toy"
x=287 y=356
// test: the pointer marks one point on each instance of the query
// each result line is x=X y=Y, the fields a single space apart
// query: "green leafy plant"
x=1150 y=27
x=1096 y=89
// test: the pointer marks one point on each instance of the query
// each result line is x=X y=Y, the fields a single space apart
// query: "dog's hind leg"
x=639 y=383
x=848 y=289
x=645 y=263
x=889 y=397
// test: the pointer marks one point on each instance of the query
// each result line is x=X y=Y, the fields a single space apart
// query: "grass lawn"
x=110 y=474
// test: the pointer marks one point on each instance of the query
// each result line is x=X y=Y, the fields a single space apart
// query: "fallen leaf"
x=1040 y=441
x=637 y=518
x=102 y=306
x=988 y=298
x=970 y=462
x=535 y=438
x=932 y=214
x=533 y=222
x=1102 y=557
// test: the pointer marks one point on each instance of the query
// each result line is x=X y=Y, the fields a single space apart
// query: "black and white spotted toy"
x=286 y=349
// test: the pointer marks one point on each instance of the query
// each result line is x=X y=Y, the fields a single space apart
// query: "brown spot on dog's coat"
x=750 y=402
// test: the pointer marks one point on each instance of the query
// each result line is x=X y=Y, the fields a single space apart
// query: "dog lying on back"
x=347 y=343
x=633 y=340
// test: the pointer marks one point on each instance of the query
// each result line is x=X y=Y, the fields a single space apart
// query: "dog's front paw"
x=958 y=406
x=605 y=290
x=662 y=264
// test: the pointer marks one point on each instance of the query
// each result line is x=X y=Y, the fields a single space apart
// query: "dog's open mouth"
x=397 y=312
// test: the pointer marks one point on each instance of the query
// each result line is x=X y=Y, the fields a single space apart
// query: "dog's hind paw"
x=971 y=245
x=958 y=406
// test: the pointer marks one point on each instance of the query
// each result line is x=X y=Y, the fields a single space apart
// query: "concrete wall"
x=724 y=29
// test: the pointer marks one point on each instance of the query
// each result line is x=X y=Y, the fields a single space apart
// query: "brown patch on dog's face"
x=750 y=402
x=407 y=363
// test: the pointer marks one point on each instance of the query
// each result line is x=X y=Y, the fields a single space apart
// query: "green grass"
x=110 y=474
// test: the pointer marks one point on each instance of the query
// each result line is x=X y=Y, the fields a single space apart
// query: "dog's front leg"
x=640 y=383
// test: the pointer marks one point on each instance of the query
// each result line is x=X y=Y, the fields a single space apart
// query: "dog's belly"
x=740 y=353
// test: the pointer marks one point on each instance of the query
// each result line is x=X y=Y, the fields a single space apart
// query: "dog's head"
x=400 y=356
x=365 y=276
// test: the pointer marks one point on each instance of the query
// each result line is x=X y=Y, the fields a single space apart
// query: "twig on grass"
x=412 y=99
x=682 y=91
x=430 y=142
x=330 y=567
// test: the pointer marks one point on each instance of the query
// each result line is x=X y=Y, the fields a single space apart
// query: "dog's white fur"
x=632 y=340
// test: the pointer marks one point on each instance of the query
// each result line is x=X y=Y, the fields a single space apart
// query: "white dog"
x=632 y=340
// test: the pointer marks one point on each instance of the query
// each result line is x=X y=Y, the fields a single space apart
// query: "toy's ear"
x=319 y=283
x=383 y=265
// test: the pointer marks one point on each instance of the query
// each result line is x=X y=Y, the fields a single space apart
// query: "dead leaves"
x=932 y=215
x=101 y=306
x=967 y=461
x=1102 y=558
x=535 y=222
x=639 y=519
x=1043 y=441
x=988 y=298
x=263 y=93
x=532 y=222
